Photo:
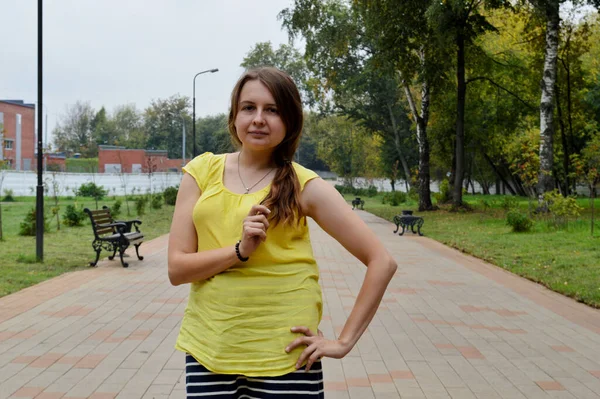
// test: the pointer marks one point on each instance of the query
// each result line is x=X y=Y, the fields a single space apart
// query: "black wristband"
x=237 y=252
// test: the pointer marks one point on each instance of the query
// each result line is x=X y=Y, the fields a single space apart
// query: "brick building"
x=115 y=159
x=17 y=134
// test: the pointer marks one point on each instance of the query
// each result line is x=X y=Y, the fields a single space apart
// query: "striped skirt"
x=202 y=383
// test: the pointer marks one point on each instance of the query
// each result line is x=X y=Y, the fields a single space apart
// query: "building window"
x=8 y=144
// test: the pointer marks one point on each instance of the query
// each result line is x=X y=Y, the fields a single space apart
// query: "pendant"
x=247 y=191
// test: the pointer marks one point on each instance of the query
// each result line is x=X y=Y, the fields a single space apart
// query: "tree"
x=459 y=22
x=161 y=126
x=213 y=134
x=404 y=39
x=128 y=127
x=346 y=76
x=102 y=129
x=347 y=148
x=73 y=132
x=286 y=58
x=548 y=12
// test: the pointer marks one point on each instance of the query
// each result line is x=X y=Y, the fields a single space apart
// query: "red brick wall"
x=27 y=131
x=126 y=158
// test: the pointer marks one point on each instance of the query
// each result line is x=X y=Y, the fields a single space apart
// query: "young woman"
x=239 y=236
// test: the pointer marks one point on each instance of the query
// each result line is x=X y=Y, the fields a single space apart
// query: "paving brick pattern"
x=449 y=326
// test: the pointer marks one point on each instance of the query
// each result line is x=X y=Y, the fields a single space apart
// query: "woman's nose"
x=259 y=117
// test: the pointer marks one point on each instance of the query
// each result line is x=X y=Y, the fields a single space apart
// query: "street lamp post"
x=39 y=201
x=194 y=110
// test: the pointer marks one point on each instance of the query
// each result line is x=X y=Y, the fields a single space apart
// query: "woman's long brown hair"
x=284 y=198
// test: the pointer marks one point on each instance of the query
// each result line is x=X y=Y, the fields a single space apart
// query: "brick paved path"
x=449 y=326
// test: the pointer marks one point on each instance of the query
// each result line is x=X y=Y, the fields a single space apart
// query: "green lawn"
x=66 y=250
x=566 y=261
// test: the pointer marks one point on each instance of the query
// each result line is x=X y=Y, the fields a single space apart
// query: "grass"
x=566 y=260
x=66 y=250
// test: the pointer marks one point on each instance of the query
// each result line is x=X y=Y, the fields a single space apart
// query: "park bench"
x=114 y=235
x=356 y=202
x=406 y=221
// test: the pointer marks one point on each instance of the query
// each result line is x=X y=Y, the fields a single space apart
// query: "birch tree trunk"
x=421 y=119
x=545 y=178
x=398 y=147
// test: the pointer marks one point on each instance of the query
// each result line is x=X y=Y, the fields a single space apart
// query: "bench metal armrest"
x=135 y=223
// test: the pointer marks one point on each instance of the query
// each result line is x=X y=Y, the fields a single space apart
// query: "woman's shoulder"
x=304 y=174
x=204 y=168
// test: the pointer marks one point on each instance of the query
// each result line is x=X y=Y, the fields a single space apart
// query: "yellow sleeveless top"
x=238 y=321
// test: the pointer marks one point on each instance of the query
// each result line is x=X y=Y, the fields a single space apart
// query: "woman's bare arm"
x=328 y=208
x=186 y=264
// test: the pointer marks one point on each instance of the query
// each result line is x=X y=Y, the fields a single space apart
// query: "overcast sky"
x=113 y=52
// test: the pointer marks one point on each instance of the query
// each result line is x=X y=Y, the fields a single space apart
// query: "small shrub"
x=518 y=221
x=91 y=190
x=509 y=202
x=157 y=201
x=444 y=196
x=170 y=195
x=394 y=198
x=8 y=196
x=140 y=205
x=28 y=225
x=371 y=191
x=561 y=208
x=73 y=216
x=115 y=211
x=413 y=193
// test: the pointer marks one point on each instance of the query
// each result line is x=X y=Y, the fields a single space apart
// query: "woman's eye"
x=273 y=110
x=247 y=108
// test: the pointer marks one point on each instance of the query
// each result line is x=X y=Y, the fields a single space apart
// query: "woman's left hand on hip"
x=316 y=347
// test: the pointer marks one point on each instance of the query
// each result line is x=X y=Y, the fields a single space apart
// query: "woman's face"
x=258 y=123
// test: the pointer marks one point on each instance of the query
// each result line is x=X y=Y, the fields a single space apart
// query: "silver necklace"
x=241 y=180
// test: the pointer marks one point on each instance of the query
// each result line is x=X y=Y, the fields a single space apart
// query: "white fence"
x=24 y=183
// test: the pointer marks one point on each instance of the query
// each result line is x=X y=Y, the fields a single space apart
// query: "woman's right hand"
x=254 y=230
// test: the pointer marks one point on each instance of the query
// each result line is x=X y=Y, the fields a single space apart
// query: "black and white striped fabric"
x=202 y=383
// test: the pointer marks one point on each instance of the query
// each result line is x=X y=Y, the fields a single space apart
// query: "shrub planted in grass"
x=73 y=216
x=562 y=209
x=157 y=201
x=92 y=190
x=509 y=202
x=115 y=211
x=28 y=225
x=140 y=205
x=394 y=198
x=444 y=196
x=170 y=195
x=518 y=221
x=8 y=196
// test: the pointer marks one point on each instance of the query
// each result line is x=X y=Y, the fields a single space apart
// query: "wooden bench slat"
x=105 y=230
x=100 y=212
